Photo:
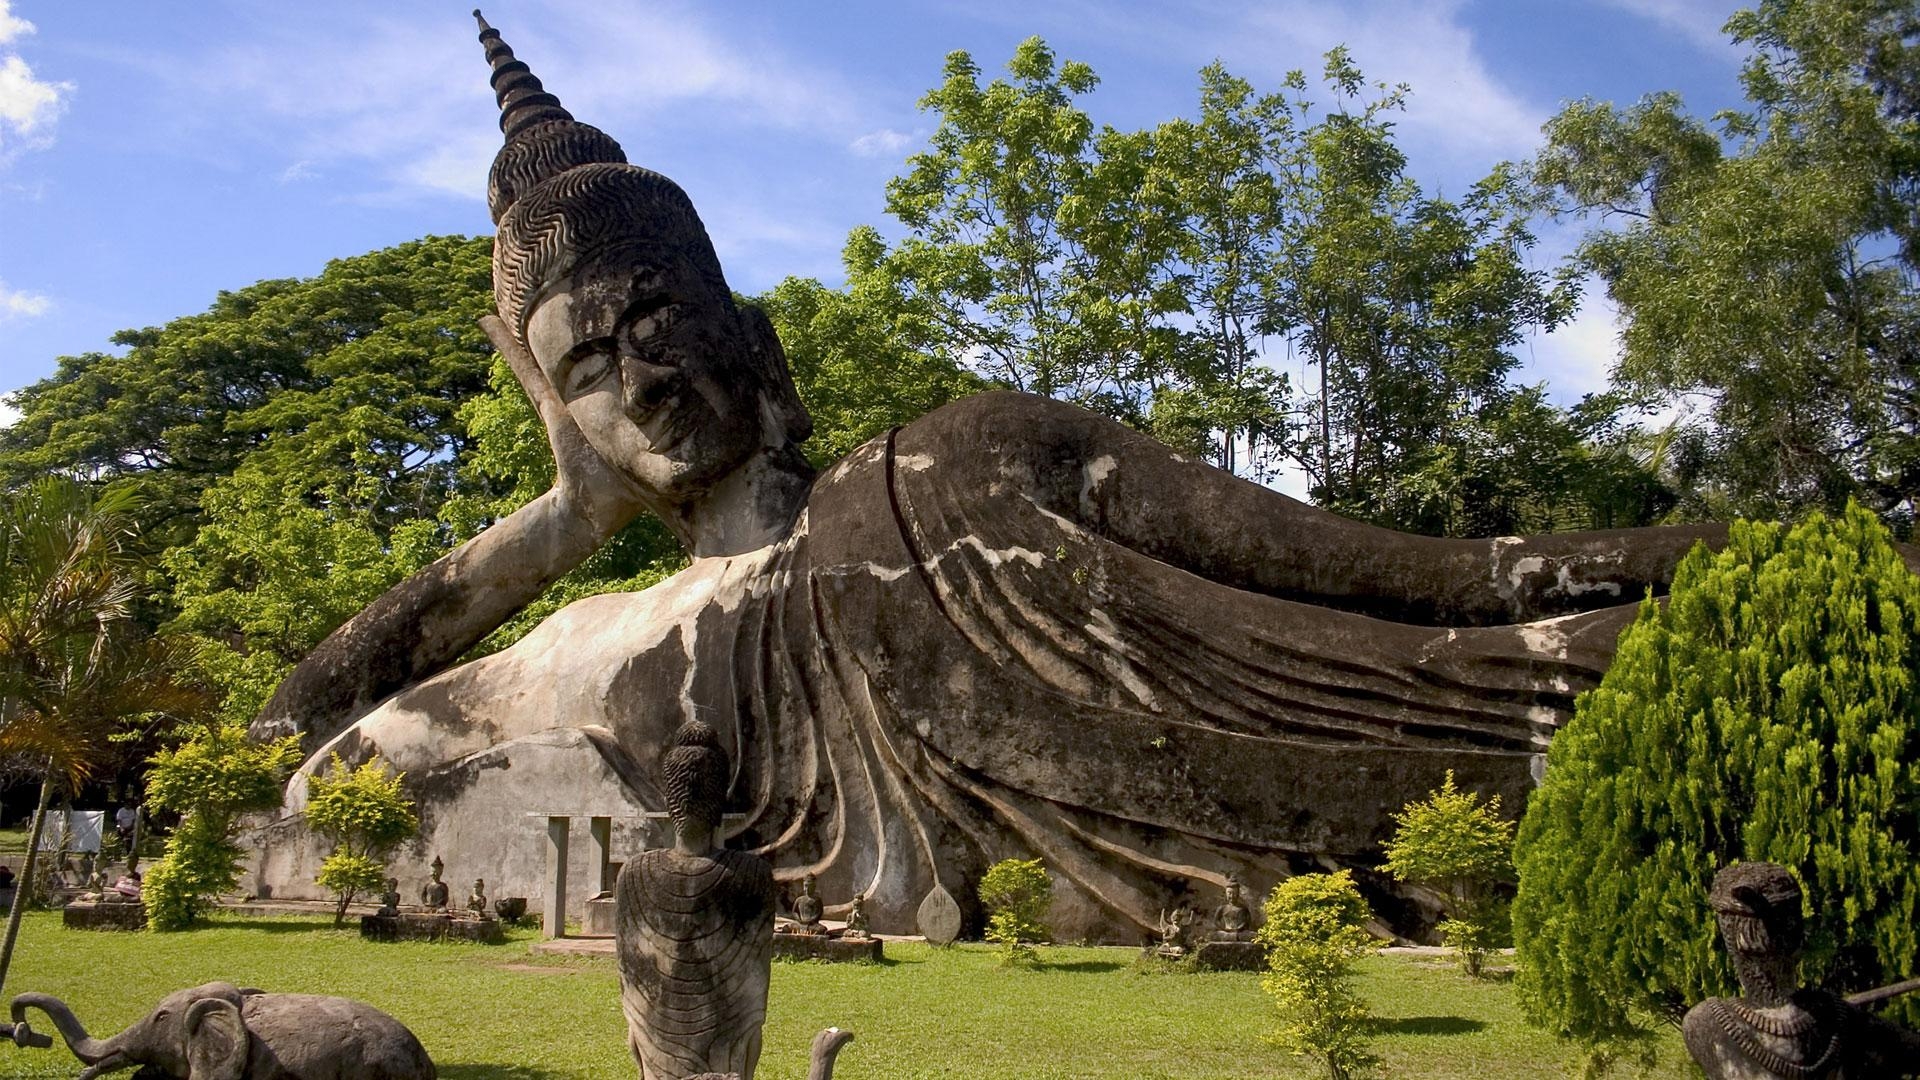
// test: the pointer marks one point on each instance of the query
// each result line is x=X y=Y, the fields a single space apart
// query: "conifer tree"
x=1767 y=711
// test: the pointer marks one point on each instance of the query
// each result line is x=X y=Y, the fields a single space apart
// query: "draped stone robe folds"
x=1013 y=628
x=695 y=945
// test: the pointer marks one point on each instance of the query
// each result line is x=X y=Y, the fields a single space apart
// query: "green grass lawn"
x=498 y=1013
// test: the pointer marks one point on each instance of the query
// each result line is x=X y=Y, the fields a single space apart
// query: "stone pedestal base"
x=1230 y=956
x=821 y=947
x=80 y=915
x=599 y=920
x=430 y=926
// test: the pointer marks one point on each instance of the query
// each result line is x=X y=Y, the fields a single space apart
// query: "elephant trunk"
x=85 y=1047
x=826 y=1046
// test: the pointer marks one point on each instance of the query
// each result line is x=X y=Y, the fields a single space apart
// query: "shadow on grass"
x=1427 y=1025
x=1088 y=966
x=491 y=1072
x=271 y=926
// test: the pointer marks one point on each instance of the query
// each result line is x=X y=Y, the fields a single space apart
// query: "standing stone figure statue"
x=1011 y=624
x=1776 y=1029
x=434 y=894
x=1231 y=921
x=693 y=930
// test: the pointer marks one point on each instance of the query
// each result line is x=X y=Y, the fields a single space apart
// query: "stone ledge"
x=81 y=915
x=427 y=926
x=1230 y=956
x=821 y=947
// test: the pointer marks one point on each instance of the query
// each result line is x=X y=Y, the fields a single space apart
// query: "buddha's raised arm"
x=656 y=390
x=425 y=623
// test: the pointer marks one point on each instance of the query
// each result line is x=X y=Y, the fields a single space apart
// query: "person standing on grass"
x=123 y=823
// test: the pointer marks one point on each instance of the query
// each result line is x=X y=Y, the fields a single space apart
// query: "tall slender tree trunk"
x=24 y=892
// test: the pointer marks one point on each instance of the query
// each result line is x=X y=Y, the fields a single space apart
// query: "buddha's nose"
x=647 y=385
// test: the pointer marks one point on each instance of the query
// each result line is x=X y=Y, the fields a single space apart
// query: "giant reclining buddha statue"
x=1009 y=628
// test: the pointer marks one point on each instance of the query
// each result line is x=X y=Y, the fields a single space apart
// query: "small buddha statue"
x=857 y=919
x=434 y=894
x=1231 y=920
x=477 y=902
x=693 y=929
x=1775 y=1029
x=807 y=909
x=390 y=899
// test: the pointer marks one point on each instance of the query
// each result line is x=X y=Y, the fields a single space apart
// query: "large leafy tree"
x=351 y=379
x=1764 y=263
x=75 y=670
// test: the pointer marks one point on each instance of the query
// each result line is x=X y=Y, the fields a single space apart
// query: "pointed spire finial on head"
x=523 y=101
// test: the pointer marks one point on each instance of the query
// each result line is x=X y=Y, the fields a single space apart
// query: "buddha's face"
x=655 y=365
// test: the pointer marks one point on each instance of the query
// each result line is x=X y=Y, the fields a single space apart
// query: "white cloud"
x=1456 y=100
x=411 y=96
x=883 y=142
x=21 y=305
x=1699 y=21
x=8 y=414
x=298 y=171
x=1577 y=358
x=11 y=25
x=28 y=106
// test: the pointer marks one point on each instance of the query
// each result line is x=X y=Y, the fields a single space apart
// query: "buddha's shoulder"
x=1002 y=417
x=985 y=433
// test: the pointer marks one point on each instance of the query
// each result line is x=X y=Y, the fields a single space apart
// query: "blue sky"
x=153 y=154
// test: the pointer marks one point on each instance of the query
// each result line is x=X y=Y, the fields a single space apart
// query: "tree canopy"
x=1167 y=277
x=1764 y=263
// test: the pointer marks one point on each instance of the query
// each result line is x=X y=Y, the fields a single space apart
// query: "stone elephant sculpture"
x=222 y=1032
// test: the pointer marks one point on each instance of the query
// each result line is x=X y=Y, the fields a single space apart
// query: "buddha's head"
x=694 y=774
x=605 y=272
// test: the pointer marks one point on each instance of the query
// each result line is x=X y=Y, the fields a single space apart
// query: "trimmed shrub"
x=1316 y=927
x=1016 y=894
x=1453 y=841
x=211 y=779
x=364 y=813
x=1767 y=711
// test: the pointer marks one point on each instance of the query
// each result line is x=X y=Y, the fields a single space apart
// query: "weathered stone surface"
x=1230 y=956
x=938 y=918
x=599 y=921
x=825 y=947
x=81 y=915
x=1010 y=628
